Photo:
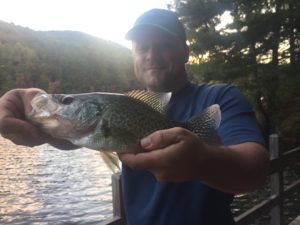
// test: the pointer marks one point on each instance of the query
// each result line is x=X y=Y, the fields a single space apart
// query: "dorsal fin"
x=156 y=100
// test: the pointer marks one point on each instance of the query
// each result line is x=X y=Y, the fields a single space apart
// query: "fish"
x=114 y=122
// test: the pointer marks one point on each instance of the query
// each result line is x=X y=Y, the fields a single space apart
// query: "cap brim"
x=136 y=30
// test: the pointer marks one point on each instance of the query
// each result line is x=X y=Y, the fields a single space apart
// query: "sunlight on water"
x=44 y=185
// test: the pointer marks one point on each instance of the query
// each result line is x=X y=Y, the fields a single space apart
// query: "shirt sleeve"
x=238 y=122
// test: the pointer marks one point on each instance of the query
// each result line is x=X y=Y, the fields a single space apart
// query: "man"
x=178 y=179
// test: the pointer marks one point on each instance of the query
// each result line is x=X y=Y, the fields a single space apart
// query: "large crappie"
x=113 y=122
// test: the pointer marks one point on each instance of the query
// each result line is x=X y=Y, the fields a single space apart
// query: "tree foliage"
x=259 y=51
x=62 y=61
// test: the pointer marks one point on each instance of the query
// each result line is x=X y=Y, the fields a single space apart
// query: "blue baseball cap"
x=160 y=18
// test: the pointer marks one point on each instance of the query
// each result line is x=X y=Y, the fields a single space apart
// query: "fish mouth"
x=43 y=104
x=51 y=116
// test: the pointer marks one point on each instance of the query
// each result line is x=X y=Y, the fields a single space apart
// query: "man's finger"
x=143 y=160
x=20 y=132
x=160 y=139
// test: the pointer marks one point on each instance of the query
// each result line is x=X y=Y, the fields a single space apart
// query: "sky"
x=106 y=19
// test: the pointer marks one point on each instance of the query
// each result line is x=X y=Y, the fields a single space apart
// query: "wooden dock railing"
x=272 y=205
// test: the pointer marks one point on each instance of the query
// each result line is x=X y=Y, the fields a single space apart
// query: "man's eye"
x=142 y=49
x=167 y=46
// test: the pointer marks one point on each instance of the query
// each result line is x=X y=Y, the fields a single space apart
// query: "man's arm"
x=14 y=105
x=176 y=155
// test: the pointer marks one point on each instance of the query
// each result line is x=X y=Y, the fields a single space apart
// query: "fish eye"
x=66 y=100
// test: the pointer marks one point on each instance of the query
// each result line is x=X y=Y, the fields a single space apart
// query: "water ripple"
x=44 y=185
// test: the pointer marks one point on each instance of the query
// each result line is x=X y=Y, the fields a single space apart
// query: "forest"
x=257 y=51
x=62 y=61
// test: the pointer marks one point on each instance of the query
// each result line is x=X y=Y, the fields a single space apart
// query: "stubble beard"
x=158 y=80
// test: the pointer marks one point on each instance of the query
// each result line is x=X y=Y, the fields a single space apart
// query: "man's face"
x=159 y=60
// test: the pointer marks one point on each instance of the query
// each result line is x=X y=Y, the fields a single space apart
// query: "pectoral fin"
x=111 y=160
x=206 y=123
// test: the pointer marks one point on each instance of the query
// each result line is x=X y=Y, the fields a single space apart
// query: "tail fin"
x=206 y=123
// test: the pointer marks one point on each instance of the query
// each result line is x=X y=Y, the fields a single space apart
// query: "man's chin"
x=155 y=81
x=157 y=87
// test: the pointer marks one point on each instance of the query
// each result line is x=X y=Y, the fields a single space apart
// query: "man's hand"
x=14 y=105
x=176 y=155
x=171 y=155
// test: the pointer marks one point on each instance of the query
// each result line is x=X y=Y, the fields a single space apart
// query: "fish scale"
x=125 y=126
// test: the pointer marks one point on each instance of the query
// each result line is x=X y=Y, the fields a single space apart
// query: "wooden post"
x=118 y=208
x=276 y=183
x=117 y=201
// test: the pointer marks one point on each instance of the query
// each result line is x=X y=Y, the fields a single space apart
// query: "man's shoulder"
x=214 y=86
x=217 y=93
x=214 y=89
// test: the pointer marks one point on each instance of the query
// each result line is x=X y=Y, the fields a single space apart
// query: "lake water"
x=44 y=185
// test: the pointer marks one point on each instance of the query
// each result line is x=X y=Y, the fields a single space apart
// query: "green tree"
x=258 y=52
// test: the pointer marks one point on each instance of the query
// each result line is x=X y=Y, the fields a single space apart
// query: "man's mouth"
x=155 y=68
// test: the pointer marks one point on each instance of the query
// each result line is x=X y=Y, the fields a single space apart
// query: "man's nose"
x=154 y=53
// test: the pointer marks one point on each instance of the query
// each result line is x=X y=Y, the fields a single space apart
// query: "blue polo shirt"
x=148 y=202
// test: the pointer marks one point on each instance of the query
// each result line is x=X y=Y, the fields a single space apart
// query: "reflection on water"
x=44 y=185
